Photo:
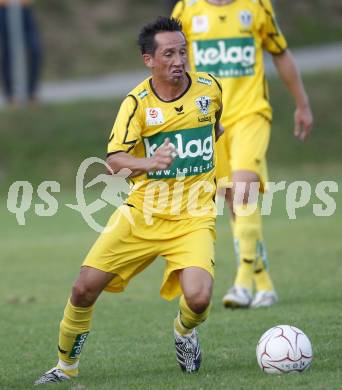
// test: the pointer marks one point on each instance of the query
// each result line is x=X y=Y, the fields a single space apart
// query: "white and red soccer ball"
x=284 y=349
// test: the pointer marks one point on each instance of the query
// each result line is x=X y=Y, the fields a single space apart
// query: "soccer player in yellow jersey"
x=226 y=38
x=164 y=135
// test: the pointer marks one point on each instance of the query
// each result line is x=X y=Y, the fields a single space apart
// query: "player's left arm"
x=289 y=73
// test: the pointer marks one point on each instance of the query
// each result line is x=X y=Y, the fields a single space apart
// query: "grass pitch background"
x=131 y=344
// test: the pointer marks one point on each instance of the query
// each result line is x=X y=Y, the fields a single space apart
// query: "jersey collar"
x=178 y=97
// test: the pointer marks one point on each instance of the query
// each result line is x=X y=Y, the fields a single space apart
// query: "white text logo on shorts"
x=234 y=57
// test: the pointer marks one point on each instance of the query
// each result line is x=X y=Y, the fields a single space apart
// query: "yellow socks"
x=244 y=275
x=186 y=319
x=250 y=250
x=262 y=278
x=247 y=233
x=74 y=329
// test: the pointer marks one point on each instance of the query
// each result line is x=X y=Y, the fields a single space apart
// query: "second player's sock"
x=244 y=275
x=262 y=278
x=247 y=232
x=74 y=329
x=186 y=319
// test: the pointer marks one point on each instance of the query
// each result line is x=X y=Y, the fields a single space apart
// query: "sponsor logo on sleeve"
x=143 y=93
x=203 y=80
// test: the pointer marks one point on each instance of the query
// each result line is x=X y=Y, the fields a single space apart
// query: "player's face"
x=170 y=57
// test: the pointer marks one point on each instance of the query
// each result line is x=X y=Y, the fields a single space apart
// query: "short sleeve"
x=126 y=131
x=272 y=37
x=219 y=90
x=178 y=10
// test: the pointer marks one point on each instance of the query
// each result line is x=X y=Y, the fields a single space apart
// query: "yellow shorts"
x=243 y=146
x=128 y=249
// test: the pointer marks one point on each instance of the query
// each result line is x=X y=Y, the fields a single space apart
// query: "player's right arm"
x=125 y=135
x=162 y=159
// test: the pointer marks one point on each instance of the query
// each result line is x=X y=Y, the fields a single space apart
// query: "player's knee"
x=198 y=302
x=245 y=191
x=82 y=295
x=242 y=195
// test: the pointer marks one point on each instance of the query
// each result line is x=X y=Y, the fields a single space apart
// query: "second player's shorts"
x=243 y=146
x=130 y=248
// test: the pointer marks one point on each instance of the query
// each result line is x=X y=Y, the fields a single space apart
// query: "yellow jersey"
x=228 y=41
x=187 y=188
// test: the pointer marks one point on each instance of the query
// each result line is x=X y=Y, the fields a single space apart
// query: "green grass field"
x=131 y=344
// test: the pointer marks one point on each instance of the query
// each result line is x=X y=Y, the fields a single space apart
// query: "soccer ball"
x=283 y=349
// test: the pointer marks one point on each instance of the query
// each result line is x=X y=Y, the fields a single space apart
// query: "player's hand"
x=303 y=122
x=164 y=156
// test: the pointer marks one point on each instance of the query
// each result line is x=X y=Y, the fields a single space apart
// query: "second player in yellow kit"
x=226 y=38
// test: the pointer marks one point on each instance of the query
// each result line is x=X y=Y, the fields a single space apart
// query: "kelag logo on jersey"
x=233 y=57
x=195 y=151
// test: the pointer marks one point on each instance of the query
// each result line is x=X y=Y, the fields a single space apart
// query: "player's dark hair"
x=146 y=39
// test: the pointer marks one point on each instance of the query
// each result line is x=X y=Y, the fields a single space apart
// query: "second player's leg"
x=241 y=200
x=247 y=232
x=242 y=165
